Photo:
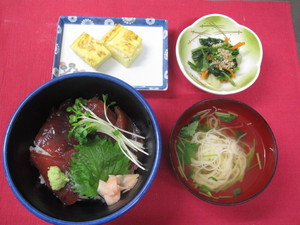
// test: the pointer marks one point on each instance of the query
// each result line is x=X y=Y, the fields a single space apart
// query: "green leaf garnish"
x=237 y=191
x=227 y=117
x=204 y=188
x=85 y=122
x=204 y=127
x=186 y=151
x=94 y=161
x=189 y=130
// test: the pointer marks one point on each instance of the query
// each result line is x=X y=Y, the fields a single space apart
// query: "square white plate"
x=148 y=72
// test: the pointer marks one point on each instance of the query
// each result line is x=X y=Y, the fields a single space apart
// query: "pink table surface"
x=27 y=39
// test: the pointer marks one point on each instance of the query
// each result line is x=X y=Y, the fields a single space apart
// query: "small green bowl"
x=217 y=26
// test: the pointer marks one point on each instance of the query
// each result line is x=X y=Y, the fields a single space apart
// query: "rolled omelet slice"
x=124 y=45
x=91 y=50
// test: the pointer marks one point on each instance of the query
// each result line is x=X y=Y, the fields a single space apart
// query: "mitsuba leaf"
x=228 y=118
x=94 y=161
x=237 y=192
x=186 y=151
x=189 y=130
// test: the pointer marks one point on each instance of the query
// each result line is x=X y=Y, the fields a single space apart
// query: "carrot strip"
x=239 y=44
x=231 y=72
x=204 y=75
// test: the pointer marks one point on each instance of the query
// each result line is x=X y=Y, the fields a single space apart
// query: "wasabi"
x=57 y=178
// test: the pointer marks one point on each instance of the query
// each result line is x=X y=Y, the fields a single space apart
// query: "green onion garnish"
x=213 y=178
x=237 y=191
x=210 y=155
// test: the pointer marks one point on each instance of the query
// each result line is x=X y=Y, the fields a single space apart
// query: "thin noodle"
x=218 y=156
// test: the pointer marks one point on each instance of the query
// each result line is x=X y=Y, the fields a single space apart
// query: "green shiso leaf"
x=94 y=161
x=84 y=122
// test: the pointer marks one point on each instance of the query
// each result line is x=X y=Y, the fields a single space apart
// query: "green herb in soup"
x=212 y=152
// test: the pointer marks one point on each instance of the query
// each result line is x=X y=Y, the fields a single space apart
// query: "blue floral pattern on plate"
x=60 y=68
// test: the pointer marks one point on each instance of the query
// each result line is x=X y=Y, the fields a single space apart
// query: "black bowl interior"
x=33 y=114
